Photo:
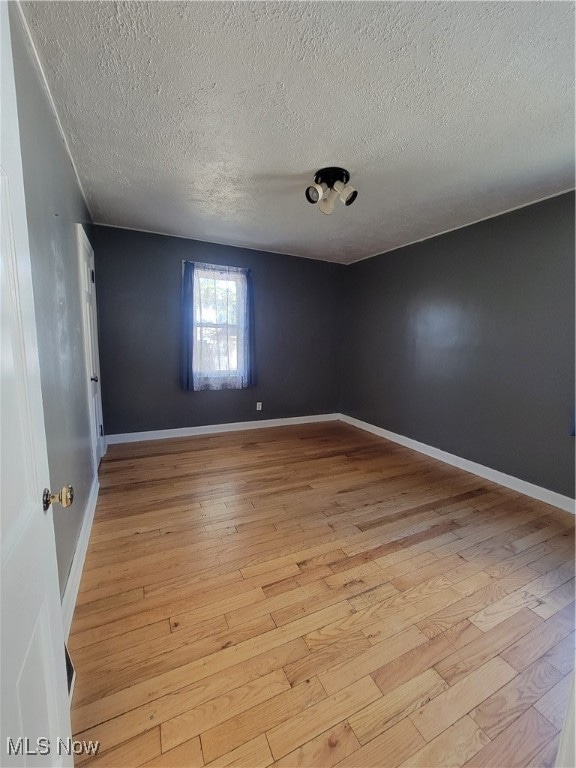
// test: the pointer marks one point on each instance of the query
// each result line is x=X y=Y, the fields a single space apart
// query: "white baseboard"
x=75 y=575
x=508 y=481
x=211 y=429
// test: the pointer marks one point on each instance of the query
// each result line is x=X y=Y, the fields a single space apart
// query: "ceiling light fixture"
x=329 y=185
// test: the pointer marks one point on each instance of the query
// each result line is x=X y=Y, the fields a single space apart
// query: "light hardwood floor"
x=318 y=596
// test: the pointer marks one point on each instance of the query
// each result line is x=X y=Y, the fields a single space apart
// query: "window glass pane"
x=218 y=301
x=205 y=309
x=217 y=348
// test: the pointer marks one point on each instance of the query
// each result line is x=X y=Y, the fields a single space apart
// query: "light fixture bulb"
x=315 y=192
x=327 y=203
x=348 y=194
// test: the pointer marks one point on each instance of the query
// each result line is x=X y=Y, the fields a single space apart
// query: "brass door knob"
x=65 y=497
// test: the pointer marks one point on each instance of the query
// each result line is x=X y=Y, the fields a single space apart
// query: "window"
x=217 y=327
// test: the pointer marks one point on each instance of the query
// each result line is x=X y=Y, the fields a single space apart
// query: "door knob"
x=65 y=497
x=93 y=378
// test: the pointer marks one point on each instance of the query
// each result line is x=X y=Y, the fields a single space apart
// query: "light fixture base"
x=331 y=175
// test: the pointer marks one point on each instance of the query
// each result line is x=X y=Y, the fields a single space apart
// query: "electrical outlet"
x=258 y=406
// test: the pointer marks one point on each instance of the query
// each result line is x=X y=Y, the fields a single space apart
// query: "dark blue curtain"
x=187 y=321
x=251 y=334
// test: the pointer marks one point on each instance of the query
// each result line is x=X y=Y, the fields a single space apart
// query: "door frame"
x=91 y=349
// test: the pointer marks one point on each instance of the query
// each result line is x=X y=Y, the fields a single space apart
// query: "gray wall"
x=297 y=322
x=53 y=205
x=466 y=342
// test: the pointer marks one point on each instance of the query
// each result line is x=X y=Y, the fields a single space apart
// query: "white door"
x=34 y=693
x=92 y=358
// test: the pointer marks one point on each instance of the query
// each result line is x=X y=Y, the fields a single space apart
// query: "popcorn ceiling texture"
x=208 y=119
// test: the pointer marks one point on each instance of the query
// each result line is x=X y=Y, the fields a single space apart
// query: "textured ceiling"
x=208 y=120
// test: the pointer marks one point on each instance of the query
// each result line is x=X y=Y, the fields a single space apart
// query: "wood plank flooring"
x=318 y=596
